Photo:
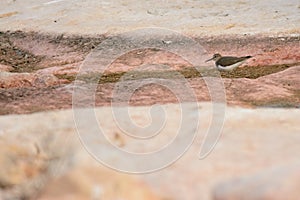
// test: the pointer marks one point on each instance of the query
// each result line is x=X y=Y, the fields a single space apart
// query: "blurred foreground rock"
x=30 y=155
x=91 y=181
x=41 y=157
x=272 y=184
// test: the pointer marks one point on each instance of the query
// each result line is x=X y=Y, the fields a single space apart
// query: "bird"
x=228 y=63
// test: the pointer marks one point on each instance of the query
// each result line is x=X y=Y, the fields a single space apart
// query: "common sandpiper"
x=228 y=63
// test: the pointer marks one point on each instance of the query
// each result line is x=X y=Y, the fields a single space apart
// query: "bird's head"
x=215 y=57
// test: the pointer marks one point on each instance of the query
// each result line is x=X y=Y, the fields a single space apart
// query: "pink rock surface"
x=54 y=61
x=20 y=80
x=5 y=68
x=278 y=87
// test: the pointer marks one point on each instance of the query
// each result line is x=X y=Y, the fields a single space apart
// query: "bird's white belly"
x=230 y=67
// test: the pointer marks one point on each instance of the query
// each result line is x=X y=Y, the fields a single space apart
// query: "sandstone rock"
x=8 y=80
x=46 y=80
x=46 y=159
x=5 y=68
x=253 y=140
x=17 y=163
x=69 y=69
x=288 y=78
x=16 y=80
x=29 y=158
x=272 y=184
x=278 y=89
x=90 y=181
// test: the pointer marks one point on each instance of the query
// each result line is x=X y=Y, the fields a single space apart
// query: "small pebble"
x=167 y=41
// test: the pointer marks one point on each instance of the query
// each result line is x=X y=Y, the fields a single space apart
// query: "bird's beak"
x=209 y=60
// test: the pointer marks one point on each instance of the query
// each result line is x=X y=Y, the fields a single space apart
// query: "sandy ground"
x=203 y=17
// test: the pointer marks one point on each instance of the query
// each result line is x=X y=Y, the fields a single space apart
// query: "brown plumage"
x=228 y=63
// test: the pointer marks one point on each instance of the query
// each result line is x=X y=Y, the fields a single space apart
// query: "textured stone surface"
x=253 y=140
x=5 y=68
x=272 y=184
x=275 y=90
x=19 y=80
x=31 y=156
x=91 y=181
x=16 y=79
x=43 y=79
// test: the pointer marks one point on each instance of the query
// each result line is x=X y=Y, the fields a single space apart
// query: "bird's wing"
x=227 y=60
